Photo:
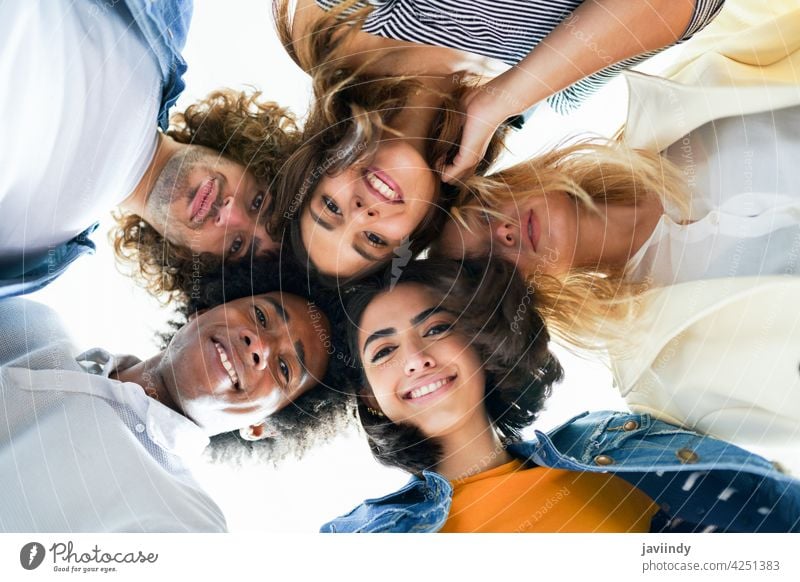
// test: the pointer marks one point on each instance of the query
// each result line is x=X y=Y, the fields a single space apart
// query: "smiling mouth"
x=430 y=388
x=227 y=364
x=382 y=186
x=203 y=200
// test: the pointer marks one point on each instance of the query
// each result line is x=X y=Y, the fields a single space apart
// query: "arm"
x=598 y=34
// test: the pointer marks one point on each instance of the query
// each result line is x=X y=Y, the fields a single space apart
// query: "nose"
x=418 y=361
x=505 y=234
x=229 y=215
x=363 y=210
x=257 y=349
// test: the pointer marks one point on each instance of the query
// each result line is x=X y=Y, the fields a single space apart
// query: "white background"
x=233 y=44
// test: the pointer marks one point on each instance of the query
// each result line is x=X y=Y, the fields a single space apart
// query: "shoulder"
x=27 y=326
x=421 y=505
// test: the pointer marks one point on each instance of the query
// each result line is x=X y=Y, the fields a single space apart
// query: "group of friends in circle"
x=371 y=265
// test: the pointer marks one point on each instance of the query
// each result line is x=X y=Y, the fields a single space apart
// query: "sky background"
x=233 y=44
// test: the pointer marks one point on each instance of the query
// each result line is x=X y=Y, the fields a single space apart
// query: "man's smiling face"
x=210 y=204
x=234 y=365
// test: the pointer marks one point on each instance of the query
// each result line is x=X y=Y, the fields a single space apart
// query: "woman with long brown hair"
x=365 y=185
x=534 y=50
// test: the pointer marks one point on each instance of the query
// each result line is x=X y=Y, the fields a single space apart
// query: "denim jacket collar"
x=700 y=483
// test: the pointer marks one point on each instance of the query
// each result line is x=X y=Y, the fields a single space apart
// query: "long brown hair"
x=351 y=109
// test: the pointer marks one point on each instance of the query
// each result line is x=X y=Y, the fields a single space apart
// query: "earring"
x=256 y=432
x=374 y=412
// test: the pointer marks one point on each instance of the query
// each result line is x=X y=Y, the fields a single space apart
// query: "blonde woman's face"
x=358 y=218
x=538 y=235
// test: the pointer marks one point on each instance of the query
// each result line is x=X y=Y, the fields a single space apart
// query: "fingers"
x=474 y=141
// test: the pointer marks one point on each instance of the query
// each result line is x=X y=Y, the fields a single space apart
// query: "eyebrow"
x=318 y=219
x=416 y=320
x=377 y=335
x=422 y=316
x=282 y=313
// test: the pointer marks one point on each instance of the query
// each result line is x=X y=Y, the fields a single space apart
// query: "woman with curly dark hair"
x=455 y=368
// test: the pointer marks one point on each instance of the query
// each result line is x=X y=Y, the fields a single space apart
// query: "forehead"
x=331 y=251
x=396 y=308
x=305 y=323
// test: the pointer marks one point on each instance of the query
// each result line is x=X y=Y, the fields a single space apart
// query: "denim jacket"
x=700 y=483
x=164 y=24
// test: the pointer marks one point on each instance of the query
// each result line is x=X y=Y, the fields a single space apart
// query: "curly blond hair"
x=256 y=133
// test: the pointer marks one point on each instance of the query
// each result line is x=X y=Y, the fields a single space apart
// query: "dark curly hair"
x=319 y=413
x=519 y=367
x=352 y=108
x=245 y=128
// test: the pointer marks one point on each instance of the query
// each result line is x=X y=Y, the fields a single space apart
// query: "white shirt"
x=80 y=452
x=743 y=175
x=78 y=112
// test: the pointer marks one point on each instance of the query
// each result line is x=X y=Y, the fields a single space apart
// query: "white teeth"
x=381 y=187
x=428 y=388
x=223 y=357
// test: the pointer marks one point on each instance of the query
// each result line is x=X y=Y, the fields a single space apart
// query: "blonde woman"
x=711 y=226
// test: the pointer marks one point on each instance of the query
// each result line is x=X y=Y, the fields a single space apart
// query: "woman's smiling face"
x=356 y=219
x=421 y=370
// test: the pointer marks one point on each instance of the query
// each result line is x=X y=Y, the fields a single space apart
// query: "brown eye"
x=331 y=206
x=439 y=329
x=262 y=319
x=381 y=353
x=374 y=240
x=284 y=369
x=258 y=201
x=236 y=246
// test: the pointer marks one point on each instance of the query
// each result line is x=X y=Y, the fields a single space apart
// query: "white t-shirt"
x=744 y=178
x=78 y=115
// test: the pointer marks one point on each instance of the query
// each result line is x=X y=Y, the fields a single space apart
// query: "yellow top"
x=510 y=498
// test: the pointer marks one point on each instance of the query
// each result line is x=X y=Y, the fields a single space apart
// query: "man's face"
x=209 y=204
x=234 y=365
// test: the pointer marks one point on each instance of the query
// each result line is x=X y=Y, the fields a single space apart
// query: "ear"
x=257 y=432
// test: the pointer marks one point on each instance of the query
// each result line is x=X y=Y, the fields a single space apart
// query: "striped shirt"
x=506 y=30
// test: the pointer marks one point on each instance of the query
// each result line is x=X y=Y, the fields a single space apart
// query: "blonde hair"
x=590 y=308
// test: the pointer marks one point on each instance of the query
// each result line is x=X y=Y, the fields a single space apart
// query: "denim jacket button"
x=687 y=456
x=603 y=460
x=630 y=425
